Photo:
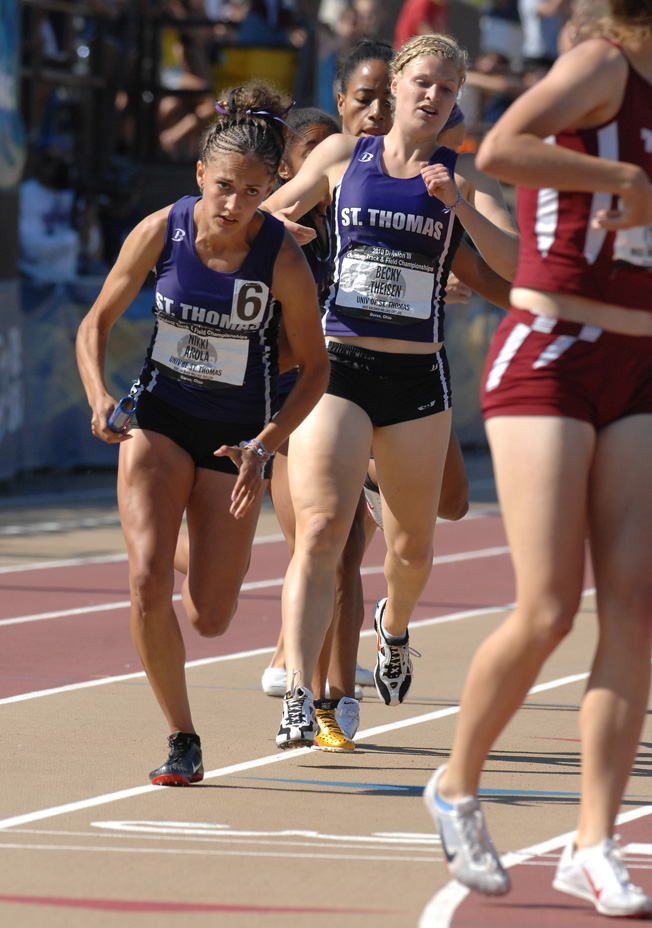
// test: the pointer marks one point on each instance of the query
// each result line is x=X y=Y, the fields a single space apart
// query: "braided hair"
x=441 y=46
x=249 y=120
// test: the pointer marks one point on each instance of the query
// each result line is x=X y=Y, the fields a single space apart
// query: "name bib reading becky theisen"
x=193 y=354
x=385 y=286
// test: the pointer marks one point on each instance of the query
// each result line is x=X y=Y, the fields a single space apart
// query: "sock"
x=443 y=804
x=392 y=639
x=326 y=704
x=190 y=736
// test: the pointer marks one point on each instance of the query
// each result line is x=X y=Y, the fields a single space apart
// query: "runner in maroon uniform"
x=568 y=400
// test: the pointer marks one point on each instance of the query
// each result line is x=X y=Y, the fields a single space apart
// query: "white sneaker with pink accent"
x=599 y=875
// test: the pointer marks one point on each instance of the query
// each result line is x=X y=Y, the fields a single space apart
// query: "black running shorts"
x=199 y=437
x=390 y=387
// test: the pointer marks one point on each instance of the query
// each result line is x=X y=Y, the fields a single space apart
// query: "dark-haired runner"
x=206 y=424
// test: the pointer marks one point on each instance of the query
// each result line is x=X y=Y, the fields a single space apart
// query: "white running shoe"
x=275 y=681
x=374 y=503
x=599 y=875
x=363 y=677
x=347 y=716
x=393 y=671
x=471 y=857
x=299 y=723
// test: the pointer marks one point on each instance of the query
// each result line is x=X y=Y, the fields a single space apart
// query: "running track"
x=66 y=623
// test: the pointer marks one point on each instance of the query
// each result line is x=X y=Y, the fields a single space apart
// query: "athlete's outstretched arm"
x=316 y=178
x=137 y=257
x=294 y=286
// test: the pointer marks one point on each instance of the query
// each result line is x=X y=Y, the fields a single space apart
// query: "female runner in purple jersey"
x=567 y=396
x=364 y=104
x=207 y=423
x=400 y=350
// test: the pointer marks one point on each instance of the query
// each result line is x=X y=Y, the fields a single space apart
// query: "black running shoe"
x=184 y=765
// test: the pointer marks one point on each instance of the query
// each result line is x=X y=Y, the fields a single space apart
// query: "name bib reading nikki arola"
x=195 y=354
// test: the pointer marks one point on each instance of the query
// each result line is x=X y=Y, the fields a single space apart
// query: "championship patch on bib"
x=196 y=355
x=385 y=286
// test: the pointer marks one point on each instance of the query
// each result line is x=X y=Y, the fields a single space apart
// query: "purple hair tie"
x=278 y=118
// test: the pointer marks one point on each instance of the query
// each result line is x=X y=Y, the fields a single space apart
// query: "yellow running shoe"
x=330 y=736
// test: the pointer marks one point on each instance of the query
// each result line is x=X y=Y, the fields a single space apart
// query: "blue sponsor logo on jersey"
x=366 y=156
x=178 y=235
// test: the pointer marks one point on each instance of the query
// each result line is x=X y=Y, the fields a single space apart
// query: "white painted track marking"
x=41 y=814
x=441 y=908
x=252 y=585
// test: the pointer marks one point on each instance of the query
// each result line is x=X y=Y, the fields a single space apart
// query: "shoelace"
x=328 y=722
x=399 y=658
x=329 y=726
x=294 y=708
x=614 y=855
x=178 y=749
x=477 y=840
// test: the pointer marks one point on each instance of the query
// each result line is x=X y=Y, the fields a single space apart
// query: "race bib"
x=634 y=246
x=385 y=286
x=196 y=355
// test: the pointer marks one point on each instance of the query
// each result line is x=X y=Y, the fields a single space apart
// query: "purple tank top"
x=394 y=245
x=214 y=349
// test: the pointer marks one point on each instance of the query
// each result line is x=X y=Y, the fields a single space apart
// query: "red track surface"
x=53 y=652
x=472 y=572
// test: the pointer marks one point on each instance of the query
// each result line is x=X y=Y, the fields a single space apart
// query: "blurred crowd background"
x=101 y=106
x=114 y=91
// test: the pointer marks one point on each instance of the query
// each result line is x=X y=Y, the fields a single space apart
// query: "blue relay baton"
x=121 y=415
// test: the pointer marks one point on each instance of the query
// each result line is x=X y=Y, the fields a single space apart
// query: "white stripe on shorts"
x=588 y=333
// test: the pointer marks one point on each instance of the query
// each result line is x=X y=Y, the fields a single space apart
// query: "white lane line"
x=103 y=558
x=252 y=585
x=443 y=905
x=86 y=684
x=83 y=804
x=70 y=562
x=201 y=662
x=366 y=847
x=206 y=832
x=338 y=855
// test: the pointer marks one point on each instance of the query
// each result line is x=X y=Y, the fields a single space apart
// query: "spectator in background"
x=119 y=205
x=338 y=33
x=418 y=17
x=270 y=22
x=500 y=30
x=183 y=118
x=49 y=242
x=518 y=43
x=540 y=22
x=370 y=16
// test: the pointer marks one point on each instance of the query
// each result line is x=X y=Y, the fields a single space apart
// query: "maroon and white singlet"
x=538 y=365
